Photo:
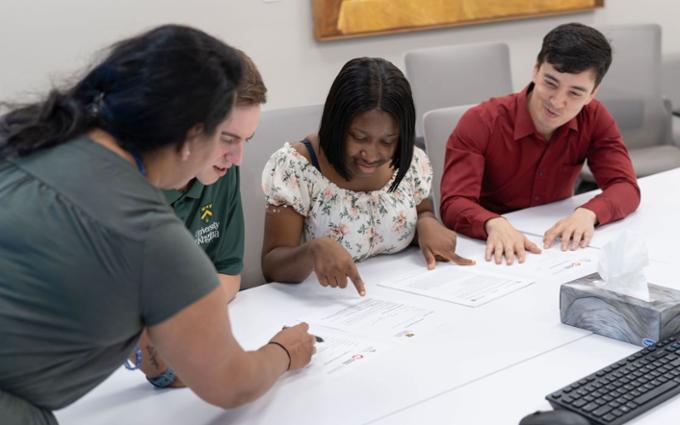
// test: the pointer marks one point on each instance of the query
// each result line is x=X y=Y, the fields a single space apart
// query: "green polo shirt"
x=214 y=216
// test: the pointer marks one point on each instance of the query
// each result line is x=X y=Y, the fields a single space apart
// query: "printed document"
x=357 y=333
x=461 y=285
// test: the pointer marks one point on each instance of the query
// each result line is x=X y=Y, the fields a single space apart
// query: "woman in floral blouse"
x=356 y=189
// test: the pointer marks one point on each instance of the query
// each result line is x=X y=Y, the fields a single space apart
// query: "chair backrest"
x=439 y=125
x=671 y=82
x=276 y=127
x=457 y=75
x=632 y=89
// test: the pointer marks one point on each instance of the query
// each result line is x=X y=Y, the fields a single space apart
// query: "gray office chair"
x=632 y=92
x=275 y=128
x=457 y=75
x=671 y=90
x=439 y=124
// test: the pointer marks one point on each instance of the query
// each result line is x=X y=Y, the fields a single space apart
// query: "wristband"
x=138 y=360
x=284 y=349
x=163 y=380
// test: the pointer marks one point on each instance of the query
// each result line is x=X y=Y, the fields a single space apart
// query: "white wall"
x=44 y=41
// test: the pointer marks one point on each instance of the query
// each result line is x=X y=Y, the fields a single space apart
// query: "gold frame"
x=336 y=19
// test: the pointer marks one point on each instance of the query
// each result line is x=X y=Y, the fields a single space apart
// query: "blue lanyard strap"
x=138 y=160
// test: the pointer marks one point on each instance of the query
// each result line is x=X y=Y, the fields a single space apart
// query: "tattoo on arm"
x=152 y=356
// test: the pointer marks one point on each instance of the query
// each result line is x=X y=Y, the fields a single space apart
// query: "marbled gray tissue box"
x=585 y=305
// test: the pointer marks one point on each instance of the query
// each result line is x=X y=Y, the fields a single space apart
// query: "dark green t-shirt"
x=90 y=254
x=214 y=216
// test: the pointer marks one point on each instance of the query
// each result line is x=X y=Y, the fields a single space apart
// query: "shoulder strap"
x=312 y=154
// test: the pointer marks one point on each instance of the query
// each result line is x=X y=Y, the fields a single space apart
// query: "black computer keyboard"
x=627 y=388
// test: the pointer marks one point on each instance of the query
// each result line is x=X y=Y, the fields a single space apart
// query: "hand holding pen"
x=297 y=343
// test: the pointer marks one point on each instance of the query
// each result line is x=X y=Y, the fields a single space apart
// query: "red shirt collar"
x=524 y=125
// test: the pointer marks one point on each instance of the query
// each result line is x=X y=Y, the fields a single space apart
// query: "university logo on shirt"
x=206 y=212
x=211 y=230
x=207 y=234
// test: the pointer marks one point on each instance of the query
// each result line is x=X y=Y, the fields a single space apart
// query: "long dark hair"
x=362 y=85
x=147 y=93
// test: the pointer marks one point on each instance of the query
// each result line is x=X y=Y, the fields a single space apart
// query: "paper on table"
x=341 y=351
x=461 y=285
x=550 y=264
x=357 y=333
x=378 y=318
x=486 y=281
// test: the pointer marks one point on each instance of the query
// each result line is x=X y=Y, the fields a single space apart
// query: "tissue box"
x=585 y=305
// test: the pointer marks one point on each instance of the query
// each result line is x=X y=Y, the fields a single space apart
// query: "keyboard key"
x=654 y=393
x=579 y=403
x=589 y=407
x=602 y=410
x=608 y=417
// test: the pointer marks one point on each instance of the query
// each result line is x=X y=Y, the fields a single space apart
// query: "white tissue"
x=621 y=266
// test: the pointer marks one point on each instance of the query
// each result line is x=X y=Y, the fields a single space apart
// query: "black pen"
x=316 y=337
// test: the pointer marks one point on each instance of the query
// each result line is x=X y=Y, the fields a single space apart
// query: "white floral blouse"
x=365 y=223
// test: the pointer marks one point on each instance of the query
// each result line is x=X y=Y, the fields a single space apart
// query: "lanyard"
x=138 y=160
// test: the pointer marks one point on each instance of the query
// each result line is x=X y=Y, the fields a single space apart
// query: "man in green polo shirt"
x=210 y=205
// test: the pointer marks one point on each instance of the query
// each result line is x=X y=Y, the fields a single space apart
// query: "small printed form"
x=486 y=281
x=359 y=332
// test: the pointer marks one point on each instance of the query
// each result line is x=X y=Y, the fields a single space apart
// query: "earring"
x=186 y=153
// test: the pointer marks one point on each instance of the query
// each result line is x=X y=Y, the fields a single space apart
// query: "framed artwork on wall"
x=334 y=19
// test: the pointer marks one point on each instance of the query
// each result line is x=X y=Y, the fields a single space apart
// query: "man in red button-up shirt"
x=527 y=149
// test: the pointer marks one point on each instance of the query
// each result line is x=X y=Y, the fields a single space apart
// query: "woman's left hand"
x=438 y=243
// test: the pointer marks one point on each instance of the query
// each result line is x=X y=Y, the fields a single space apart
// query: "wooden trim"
x=325 y=15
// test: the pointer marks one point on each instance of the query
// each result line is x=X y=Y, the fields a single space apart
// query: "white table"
x=490 y=364
x=654 y=220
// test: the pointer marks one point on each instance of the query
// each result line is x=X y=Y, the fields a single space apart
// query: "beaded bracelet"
x=284 y=349
x=138 y=360
x=163 y=380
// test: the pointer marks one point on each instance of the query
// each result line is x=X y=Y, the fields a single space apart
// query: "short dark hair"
x=251 y=90
x=365 y=84
x=148 y=92
x=575 y=48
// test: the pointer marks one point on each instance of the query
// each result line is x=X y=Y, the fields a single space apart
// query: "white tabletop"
x=654 y=220
x=489 y=364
